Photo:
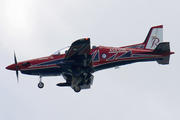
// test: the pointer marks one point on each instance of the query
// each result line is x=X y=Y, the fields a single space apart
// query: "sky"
x=139 y=91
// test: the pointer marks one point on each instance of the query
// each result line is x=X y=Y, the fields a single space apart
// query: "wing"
x=79 y=53
x=77 y=66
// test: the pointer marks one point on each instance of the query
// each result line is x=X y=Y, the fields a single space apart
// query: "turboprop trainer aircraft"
x=77 y=62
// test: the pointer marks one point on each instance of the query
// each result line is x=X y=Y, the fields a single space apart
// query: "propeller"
x=17 y=68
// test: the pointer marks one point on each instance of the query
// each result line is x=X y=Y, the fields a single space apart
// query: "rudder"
x=154 y=37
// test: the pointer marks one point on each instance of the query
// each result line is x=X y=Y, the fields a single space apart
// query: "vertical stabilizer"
x=154 y=37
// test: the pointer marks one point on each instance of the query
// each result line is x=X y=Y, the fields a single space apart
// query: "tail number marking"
x=117 y=50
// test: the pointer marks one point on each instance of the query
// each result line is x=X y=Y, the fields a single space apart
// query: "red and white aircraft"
x=77 y=62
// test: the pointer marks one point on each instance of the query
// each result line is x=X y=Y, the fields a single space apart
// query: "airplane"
x=77 y=63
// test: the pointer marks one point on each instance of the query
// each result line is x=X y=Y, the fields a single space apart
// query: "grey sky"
x=140 y=91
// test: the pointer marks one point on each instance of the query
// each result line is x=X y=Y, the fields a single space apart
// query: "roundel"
x=103 y=56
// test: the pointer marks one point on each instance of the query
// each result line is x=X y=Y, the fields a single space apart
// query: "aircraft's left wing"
x=79 y=53
x=77 y=66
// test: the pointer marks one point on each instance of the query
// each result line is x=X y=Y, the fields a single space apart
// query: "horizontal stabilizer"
x=164 y=60
x=162 y=48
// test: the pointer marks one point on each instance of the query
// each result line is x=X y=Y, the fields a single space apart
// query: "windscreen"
x=62 y=51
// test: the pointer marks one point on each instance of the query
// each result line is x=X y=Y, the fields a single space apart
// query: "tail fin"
x=163 y=48
x=154 y=37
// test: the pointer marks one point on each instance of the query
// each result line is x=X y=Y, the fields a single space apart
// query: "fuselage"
x=103 y=58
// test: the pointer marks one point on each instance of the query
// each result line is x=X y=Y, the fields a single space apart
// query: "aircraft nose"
x=11 y=67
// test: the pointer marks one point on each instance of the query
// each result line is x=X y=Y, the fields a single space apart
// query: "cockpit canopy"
x=62 y=51
x=93 y=46
x=65 y=50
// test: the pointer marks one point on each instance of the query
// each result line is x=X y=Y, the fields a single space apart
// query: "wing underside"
x=78 y=65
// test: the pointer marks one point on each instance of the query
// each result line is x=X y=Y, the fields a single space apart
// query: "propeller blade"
x=15 y=60
x=17 y=74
